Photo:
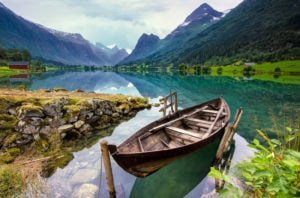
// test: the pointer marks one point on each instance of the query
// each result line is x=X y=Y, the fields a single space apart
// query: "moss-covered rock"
x=6 y=158
x=14 y=151
x=58 y=122
x=11 y=139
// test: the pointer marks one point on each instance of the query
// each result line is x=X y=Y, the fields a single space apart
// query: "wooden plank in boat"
x=213 y=111
x=186 y=132
x=213 y=124
x=198 y=120
x=182 y=138
x=175 y=120
x=200 y=123
x=174 y=144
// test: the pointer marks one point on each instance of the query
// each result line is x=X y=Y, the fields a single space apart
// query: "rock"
x=92 y=104
x=25 y=140
x=85 y=113
x=86 y=128
x=35 y=121
x=115 y=115
x=73 y=119
x=84 y=176
x=86 y=191
x=99 y=112
x=26 y=128
x=123 y=109
x=106 y=107
x=56 y=122
x=23 y=113
x=93 y=119
x=64 y=101
x=12 y=111
x=65 y=128
x=63 y=135
x=52 y=109
x=78 y=124
x=45 y=131
x=36 y=136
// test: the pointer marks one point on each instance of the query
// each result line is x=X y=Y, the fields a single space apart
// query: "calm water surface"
x=267 y=106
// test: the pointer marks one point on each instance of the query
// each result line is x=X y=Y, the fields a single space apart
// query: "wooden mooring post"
x=228 y=136
x=172 y=97
x=108 y=169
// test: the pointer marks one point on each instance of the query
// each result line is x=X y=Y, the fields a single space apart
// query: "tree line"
x=15 y=54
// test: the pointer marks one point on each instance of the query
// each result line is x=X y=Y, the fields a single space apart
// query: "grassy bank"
x=286 y=72
x=285 y=67
x=6 y=72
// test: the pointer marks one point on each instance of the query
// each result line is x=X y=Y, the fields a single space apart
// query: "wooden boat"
x=171 y=137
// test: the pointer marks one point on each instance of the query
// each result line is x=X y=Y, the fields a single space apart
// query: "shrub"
x=273 y=172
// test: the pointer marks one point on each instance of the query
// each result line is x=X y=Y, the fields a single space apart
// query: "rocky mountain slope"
x=48 y=44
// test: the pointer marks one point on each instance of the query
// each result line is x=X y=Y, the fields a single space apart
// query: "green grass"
x=285 y=66
x=6 y=72
x=265 y=71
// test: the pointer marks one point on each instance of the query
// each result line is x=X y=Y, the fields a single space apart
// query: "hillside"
x=200 y=19
x=51 y=45
x=253 y=31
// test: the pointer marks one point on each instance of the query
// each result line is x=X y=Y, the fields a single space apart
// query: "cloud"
x=118 y=21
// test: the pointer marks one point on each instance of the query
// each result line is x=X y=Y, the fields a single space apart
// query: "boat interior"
x=186 y=129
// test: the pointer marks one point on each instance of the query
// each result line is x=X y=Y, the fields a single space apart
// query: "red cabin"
x=18 y=65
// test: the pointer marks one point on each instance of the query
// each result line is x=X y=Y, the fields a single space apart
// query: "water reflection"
x=179 y=178
x=264 y=104
x=19 y=78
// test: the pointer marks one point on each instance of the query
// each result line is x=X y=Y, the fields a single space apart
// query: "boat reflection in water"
x=179 y=178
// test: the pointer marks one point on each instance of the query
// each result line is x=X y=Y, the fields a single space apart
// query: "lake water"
x=267 y=106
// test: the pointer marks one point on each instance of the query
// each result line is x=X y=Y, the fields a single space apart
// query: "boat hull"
x=142 y=164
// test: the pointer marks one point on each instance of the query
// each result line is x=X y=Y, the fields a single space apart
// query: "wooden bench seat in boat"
x=186 y=132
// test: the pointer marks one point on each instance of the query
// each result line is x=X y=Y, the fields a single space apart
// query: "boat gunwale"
x=171 y=117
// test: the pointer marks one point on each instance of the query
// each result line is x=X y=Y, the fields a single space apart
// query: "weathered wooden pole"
x=176 y=102
x=228 y=136
x=108 y=169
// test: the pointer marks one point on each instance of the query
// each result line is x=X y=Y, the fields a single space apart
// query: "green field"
x=6 y=72
x=289 y=71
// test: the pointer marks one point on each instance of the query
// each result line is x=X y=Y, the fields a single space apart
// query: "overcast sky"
x=109 y=22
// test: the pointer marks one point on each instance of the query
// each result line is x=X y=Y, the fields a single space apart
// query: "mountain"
x=253 y=31
x=200 y=19
x=145 y=46
x=52 y=45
